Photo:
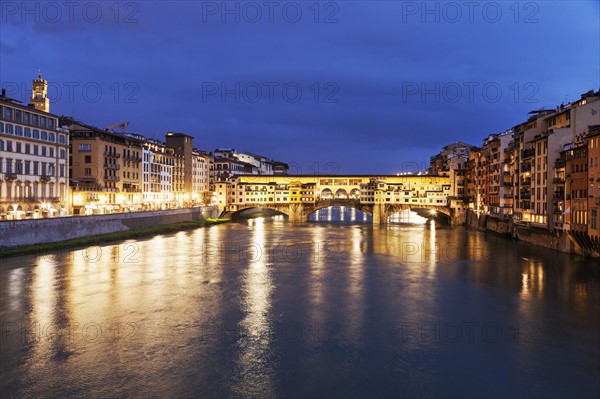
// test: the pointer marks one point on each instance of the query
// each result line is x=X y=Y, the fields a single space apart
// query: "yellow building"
x=106 y=170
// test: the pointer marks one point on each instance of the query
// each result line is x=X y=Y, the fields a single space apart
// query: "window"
x=1 y=145
x=26 y=116
x=18 y=130
x=63 y=154
x=1 y=127
x=43 y=121
x=36 y=134
x=51 y=137
x=62 y=139
x=9 y=128
x=17 y=115
x=9 y=147
x=27 y=148
x=27 y=167
x=43 y=151
x=35 y=119
x=27 y=132
x=594 y=219
x=36 y=167
x=85 y=147
x=51 y=152
x=7 y=113
x=50 y=123
x=35 y=149
x=62 y=170
x=87 y=172
x=88 y=159
x=44 y=135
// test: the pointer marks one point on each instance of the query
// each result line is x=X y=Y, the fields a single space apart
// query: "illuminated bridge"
x=299 y=196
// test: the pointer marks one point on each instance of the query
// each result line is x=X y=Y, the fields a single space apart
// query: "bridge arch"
x=326 y=193
x=341 y=193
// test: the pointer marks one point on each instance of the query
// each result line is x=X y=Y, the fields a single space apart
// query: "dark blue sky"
x=370 y=87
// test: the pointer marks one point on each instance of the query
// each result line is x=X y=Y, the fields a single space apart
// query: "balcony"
x=113 y=166
x=507 y=184
x=527 y=153
x=558 y=180
x=10 y=176
x=132 y=190
x=111 y=154
x=558 y=195
x=112 y=178
x=133 y=158
x=45 y=178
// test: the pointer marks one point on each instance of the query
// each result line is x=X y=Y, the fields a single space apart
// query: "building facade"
x=34 y=156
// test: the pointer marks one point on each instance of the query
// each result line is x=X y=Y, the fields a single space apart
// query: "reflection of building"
x=105 y=170
x=34 y=153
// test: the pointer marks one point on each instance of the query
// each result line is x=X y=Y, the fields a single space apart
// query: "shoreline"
x=143 y=232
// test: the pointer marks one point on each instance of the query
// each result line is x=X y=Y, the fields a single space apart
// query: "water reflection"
x=199 y=313
x=256 y=364
x=340 y=214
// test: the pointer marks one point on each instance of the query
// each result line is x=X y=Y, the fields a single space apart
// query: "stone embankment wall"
x=19 y=233
x=523 y=232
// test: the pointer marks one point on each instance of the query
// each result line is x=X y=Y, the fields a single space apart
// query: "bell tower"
x=39 y=93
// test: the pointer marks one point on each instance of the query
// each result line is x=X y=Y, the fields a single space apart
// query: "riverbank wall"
x=540 y=236
x=19 y=233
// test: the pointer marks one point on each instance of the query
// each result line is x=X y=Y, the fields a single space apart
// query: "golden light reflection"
x=257 y=370
x=317 y=274
x=355 y=287
x=532 y=278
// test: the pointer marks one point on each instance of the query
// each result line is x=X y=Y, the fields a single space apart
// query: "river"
x=266 y=308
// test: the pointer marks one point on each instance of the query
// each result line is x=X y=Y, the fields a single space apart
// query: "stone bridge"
x=299 y=212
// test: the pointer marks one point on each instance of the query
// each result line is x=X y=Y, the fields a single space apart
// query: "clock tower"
x=39 y=94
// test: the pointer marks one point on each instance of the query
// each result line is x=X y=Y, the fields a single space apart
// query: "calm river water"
x=266 y=308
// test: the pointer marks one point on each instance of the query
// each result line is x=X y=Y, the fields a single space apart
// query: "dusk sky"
x=370 y=87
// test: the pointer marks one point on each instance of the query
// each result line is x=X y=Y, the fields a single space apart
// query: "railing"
x=132 y=190
x=112 y=154
x=558 y=180
x=112 y=178
x=10 y=176
x=527 y=153
x=114 y=166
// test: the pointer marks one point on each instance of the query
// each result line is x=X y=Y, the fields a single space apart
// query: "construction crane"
x=121 y=126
